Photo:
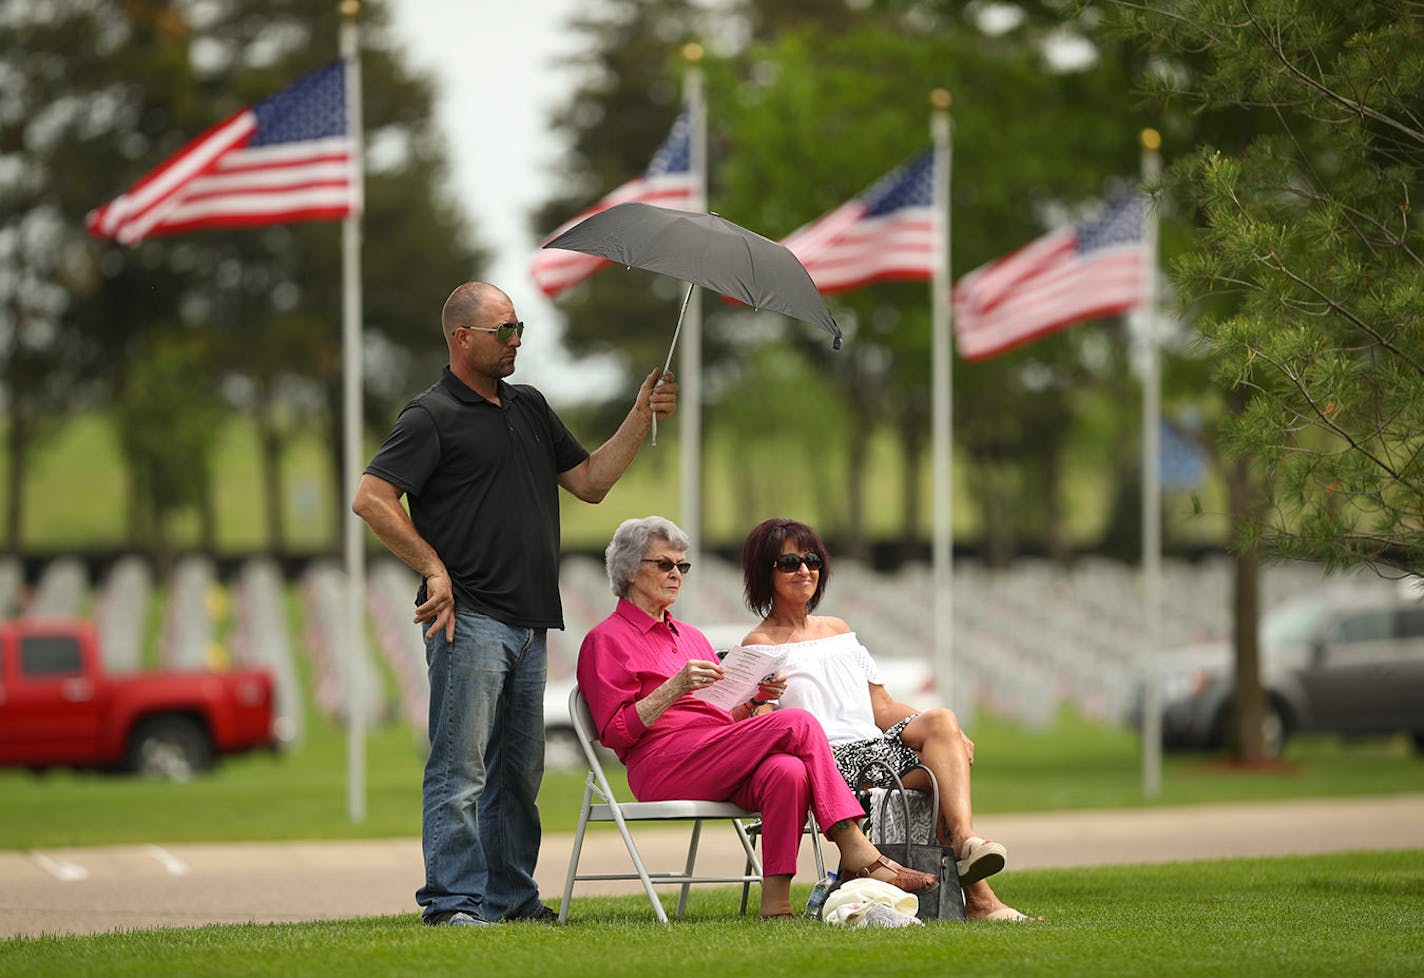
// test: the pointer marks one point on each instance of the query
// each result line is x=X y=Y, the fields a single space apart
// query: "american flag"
x=288 y=158
x=1092 y=269
x=668 y=182
x=888 y=232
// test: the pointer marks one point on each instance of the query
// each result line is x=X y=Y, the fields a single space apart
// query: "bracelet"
x=756 y=704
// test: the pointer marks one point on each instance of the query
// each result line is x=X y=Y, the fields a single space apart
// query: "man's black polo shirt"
x=482 y=481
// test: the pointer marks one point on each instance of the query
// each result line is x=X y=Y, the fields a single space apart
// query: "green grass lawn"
x=1331 y=916
x=302 y=795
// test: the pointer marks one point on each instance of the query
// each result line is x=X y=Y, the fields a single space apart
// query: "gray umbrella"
x=705 y=250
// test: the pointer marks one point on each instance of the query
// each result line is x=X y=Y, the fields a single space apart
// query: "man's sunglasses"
x=502 y=332
x=666 y=565
x=788 y=563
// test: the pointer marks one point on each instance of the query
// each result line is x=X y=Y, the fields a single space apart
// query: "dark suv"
x=1341 y=661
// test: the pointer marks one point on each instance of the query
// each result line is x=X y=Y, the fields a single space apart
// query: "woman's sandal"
x=779 y=916
x=909 y=880
x=979 y=858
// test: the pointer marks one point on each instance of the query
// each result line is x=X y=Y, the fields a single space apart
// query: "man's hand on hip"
x=439 y=607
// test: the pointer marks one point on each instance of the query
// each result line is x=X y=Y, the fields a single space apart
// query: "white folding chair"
x=599 y=805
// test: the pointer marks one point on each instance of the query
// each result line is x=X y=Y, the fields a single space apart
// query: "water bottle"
x=819 y=892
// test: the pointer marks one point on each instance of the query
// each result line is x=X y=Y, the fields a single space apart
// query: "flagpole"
x=351 y=352
x=1151 y=483
x=941 y=408
x=690 y=367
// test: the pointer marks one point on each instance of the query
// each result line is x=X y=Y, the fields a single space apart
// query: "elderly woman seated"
x=637 y=670
x=785 y=570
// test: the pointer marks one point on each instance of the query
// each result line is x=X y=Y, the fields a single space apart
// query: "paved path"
x=87 y=890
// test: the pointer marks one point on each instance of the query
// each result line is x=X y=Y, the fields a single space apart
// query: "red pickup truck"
x=59 y=708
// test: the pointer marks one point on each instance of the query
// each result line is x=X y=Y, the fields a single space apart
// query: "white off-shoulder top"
x=829 y=678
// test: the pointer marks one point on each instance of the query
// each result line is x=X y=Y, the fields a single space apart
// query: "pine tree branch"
x=1272 y=261
x=1324 y=91
x=1334 y=428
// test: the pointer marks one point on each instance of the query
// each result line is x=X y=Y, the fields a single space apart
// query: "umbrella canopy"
x=705 y=250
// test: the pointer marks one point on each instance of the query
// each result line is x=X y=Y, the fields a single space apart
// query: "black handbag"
x=944 y=900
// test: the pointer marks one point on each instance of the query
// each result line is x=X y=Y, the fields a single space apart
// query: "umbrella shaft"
x=675 y=333
x=682 y=314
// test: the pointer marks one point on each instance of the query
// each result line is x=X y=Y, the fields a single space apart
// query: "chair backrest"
x=582 y=717
x=587 y=734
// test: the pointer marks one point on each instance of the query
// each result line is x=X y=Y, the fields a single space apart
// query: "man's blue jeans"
x=480 y=823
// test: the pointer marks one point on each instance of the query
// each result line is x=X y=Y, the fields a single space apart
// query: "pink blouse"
x=623 y=659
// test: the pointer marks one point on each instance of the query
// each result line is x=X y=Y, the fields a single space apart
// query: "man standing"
x=481 y=462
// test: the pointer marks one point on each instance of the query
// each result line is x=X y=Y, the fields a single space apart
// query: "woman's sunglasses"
x=666 y=565
x=788 y=563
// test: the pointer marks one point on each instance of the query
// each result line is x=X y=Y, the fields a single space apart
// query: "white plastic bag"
x=849 y=905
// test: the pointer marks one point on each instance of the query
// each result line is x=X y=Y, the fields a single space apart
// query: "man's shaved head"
x=467 y=303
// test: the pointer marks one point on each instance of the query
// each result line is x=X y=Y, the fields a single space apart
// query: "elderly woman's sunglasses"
x=666 y=565
x=789 y=563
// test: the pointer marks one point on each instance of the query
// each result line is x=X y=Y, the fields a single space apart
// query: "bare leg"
x=980 y=901
x=855 y=849
x=936 y=737
x=775 y=896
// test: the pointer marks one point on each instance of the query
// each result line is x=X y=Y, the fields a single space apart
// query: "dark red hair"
x=764 y=544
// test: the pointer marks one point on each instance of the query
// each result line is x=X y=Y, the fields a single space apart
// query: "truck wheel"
x=169 y=748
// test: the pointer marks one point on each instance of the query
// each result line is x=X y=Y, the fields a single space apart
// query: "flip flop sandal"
x=979 y=858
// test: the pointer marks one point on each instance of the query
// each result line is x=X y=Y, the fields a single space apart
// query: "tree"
x=84 y=85
x=1312 y=227
x=614 y=121
x=97 y=95
x=817 y=102
x=1304 y=268
x=168 y=417
x=278 y=305
x=812 y=119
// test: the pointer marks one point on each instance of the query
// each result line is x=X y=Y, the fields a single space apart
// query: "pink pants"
x=778 y=764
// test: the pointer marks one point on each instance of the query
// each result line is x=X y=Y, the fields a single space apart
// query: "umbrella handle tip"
x=836 y=343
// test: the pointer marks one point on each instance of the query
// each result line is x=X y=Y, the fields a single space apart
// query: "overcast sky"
x=496 y=63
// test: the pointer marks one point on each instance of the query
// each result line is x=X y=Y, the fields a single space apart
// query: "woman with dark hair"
x=785 y=569
x=637 y=671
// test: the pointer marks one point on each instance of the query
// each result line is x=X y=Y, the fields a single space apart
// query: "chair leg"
x=815 y=830
x=638 y=865
x=687 y=871
x=753 y=832
x=574 y=856
x=748 y=836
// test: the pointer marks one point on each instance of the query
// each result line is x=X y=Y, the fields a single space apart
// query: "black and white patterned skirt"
x=888 y=748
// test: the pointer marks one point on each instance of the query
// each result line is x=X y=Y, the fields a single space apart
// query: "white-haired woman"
x=637 y=668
